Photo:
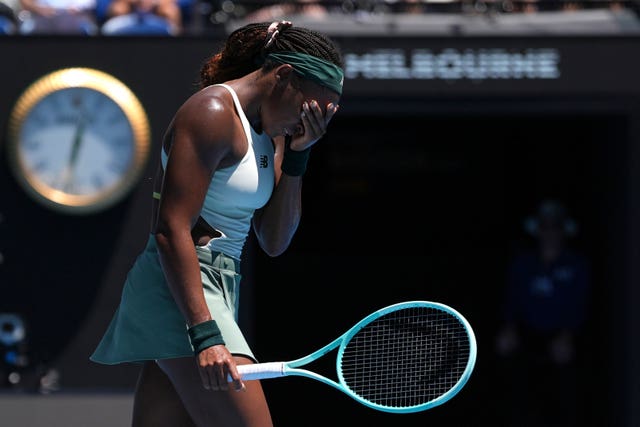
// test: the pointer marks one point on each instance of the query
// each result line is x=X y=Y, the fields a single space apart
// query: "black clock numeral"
x=98 y=99
x=69 y=187
x=117 y=167
x=31 y=144
x=97 y=182
x=121 y=143
x=38 y=119
x=57 y=101
x=78 y=99
x=41 y=165
x=71 y=119
x=114 y=117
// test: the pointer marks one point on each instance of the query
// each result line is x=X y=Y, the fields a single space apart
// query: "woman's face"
x=281 y=115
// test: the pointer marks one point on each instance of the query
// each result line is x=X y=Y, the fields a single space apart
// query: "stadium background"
x=418 y=191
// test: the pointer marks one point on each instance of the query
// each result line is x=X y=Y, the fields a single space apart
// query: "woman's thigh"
x=230 y=408
x=156 y=402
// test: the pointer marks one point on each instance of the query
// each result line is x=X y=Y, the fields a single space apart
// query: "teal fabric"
x=148 y=324
x=311 y=67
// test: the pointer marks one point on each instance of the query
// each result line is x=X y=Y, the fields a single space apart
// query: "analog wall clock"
x=78 y=140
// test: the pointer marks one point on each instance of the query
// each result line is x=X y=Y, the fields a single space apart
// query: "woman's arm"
x=276 y=223
x=204 y=137
x=194 y=155
x=38 y=9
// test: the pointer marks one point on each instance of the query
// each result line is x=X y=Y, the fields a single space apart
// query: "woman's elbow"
x=274 y=247
x=274 y=250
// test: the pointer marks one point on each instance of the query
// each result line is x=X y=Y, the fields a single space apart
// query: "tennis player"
x=232 y=160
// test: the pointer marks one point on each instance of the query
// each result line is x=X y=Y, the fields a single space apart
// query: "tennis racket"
x=406 y=357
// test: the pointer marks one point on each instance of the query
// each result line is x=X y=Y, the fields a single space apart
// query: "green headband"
x=313 y=68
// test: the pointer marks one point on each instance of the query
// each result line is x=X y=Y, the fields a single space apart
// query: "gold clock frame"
x=109 y=86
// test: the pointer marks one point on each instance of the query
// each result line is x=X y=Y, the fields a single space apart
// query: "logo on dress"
x=264 y=161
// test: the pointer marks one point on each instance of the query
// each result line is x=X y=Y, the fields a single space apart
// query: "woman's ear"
x=283 y=73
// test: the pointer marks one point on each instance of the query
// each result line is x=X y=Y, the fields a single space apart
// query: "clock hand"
x=67 y=173
x=77 y=142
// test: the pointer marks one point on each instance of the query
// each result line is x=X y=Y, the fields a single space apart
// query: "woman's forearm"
x=277 y=222
x=182 y=270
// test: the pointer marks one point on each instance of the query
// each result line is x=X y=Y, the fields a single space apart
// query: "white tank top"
x=237 y=191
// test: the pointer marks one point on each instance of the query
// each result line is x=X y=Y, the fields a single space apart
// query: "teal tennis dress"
x=148 y=324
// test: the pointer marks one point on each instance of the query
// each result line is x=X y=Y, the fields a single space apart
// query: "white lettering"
x=454 y=64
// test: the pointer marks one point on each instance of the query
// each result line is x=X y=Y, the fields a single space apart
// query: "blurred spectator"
x=9 y=16
x=143 y=17
x=412 y=6
x=544 y=312
x=309 y=8
x=58 y=17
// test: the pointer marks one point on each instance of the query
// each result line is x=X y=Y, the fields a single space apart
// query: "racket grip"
x=259 y=371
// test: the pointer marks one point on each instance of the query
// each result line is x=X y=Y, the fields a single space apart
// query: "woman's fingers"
x=215 y=364
x=314 y=124
x=204 y=377
x=331 y=110
x=236 y=379
x=219 y=377
x=216 y=378
x=314 y=120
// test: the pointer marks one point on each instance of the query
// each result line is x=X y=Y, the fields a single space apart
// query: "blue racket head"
x=407 y=357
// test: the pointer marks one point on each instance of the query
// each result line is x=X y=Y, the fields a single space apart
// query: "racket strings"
x=407 y=357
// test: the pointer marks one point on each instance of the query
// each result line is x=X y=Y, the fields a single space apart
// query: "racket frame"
x=293 y=367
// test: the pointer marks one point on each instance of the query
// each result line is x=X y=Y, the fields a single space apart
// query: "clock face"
x=78 y=140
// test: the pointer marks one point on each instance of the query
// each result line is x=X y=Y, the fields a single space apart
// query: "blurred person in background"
x=313 y=9
x=9 y=16
x=143 y=15
x=75 y=17
x=545 y=309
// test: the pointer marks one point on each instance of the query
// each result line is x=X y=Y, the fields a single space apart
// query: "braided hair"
x=245 y=50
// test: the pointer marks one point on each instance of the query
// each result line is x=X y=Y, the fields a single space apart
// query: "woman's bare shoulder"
x=208 y=120
x=207 y=102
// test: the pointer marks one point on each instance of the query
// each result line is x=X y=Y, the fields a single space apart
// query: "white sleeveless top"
x=237 y=191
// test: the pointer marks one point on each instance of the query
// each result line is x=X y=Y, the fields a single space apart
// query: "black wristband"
x=294 y=163
x=204 y=335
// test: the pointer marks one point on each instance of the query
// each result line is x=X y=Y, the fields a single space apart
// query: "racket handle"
x=259 y=371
